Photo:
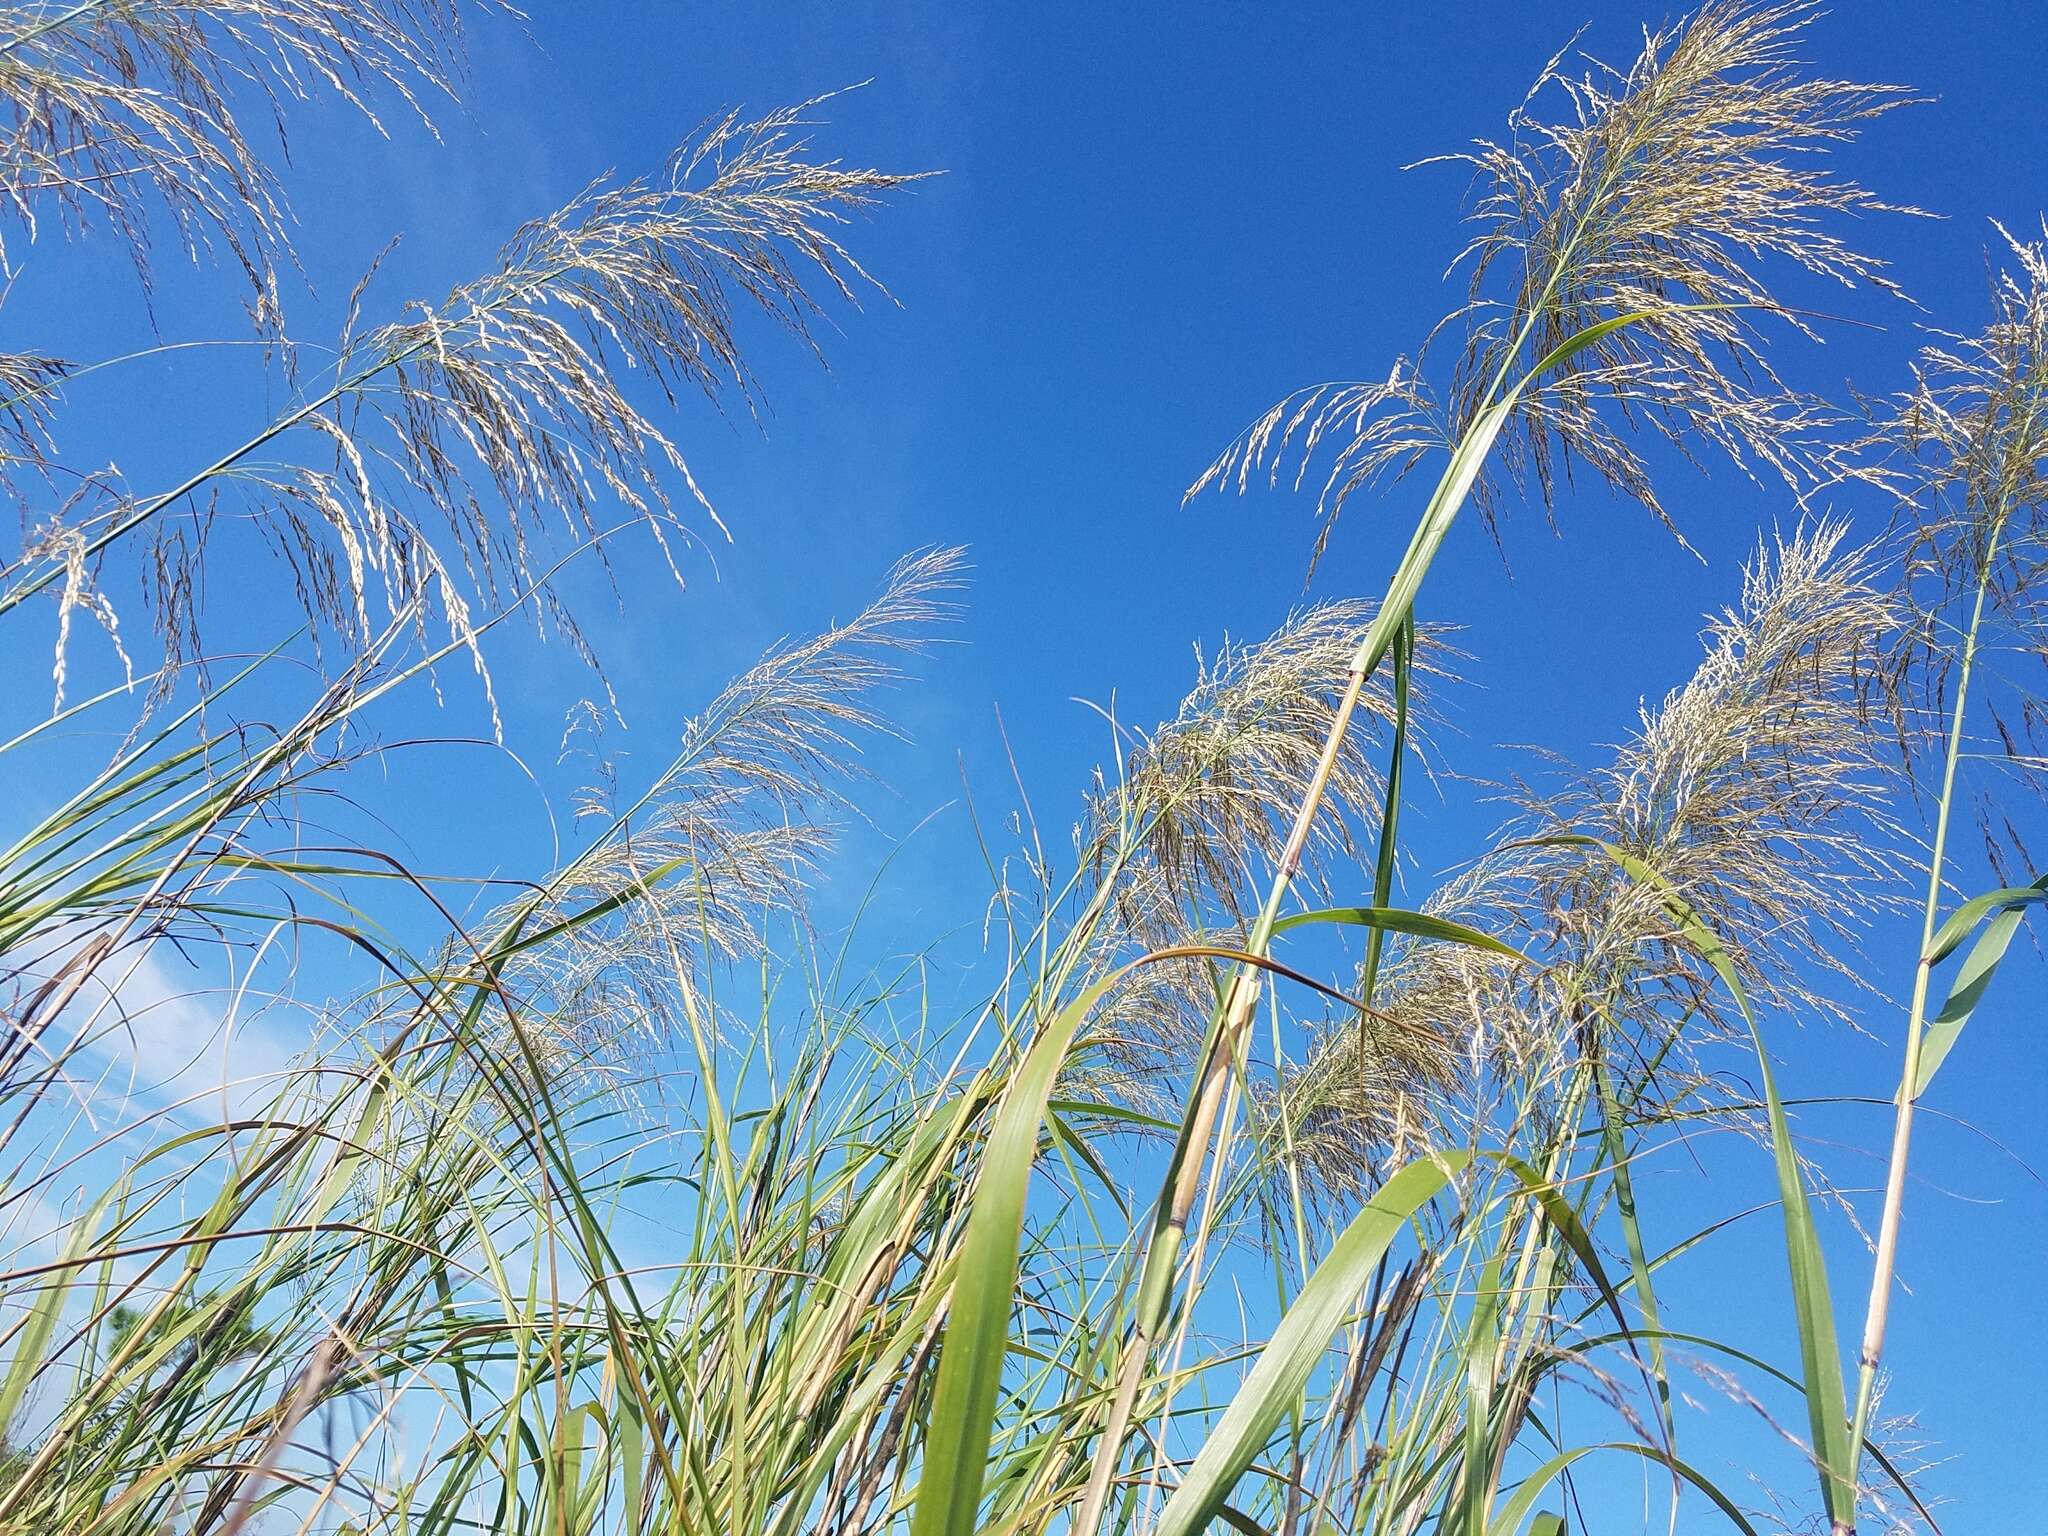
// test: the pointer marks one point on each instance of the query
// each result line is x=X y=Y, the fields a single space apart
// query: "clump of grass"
x=1747 y=789
x=1615 y=301
x=898 y=1279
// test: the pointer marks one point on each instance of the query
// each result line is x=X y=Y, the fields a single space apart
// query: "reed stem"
x=1884 y=1265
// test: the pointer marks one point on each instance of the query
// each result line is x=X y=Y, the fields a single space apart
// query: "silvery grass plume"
x=1372 y=1089
x=27 y=384
x=1751 y=790
x=1199 y=809
x=689 y=875
x=1748 y=788
x=1655 y=193
x=402 y=1171
x=174 y=847
x=1212 y=789
x=1633 y=231
x=465 y=446
x=1964 y=449
x=112 y=111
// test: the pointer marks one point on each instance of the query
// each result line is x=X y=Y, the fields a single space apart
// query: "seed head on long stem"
x=1658 y=190
x=1964 y=452
x=454 y=453
x=729 y=833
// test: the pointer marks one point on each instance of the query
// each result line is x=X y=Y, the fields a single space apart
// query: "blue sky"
x=1150 y=224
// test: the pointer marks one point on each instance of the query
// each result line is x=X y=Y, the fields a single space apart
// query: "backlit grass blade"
x=1421 y=925
x=1978 y=967
x=1390 y=815
x=1517 y=1508
x=1276 y=1381
x=31 y=1335
x=977 y=1338
x=1949 y=937
x=1482 y=1347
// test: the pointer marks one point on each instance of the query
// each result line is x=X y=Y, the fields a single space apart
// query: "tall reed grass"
x=903 y=1282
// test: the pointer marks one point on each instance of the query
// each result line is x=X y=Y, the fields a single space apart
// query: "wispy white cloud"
x=154 y=1032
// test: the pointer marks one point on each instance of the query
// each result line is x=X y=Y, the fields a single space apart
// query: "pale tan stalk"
x=1885 y=1263
x=1242 y=1000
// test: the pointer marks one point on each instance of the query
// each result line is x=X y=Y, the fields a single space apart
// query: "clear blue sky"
x=1153 y=222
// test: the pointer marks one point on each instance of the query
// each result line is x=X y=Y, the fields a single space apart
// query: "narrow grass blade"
x=977 y=1337
x=1482 y=1346
x=1972 y=980
x=1390 y=815
x=1533 y=1487
x=32 y=1335
x=1419 y=925
x=1952 y=932
x=1283 y=1368
x=1616 y=1152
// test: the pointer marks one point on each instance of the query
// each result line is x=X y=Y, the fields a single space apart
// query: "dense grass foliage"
x=921 y=1272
